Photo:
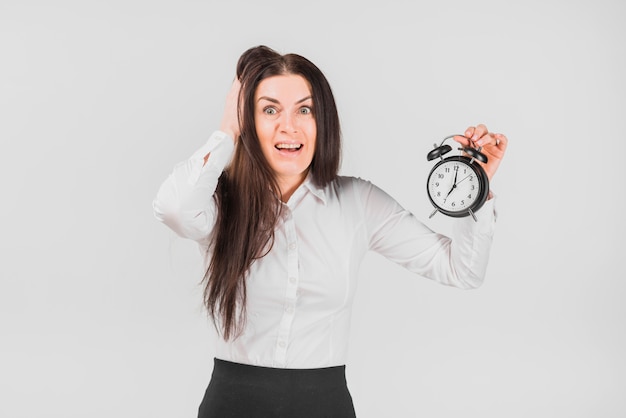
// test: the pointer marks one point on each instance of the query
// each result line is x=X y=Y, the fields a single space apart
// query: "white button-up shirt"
x=300 y=294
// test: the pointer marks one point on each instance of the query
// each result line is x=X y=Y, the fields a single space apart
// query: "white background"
x=100 y=305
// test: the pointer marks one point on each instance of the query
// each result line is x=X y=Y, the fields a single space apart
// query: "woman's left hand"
x=493 y=146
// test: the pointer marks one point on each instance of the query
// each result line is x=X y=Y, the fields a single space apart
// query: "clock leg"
x=473 y=216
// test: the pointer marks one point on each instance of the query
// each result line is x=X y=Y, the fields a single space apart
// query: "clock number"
x=457 y=186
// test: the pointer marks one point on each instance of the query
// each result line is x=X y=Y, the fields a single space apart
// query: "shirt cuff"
x=221 y=147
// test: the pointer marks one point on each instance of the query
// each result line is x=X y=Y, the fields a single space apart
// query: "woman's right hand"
x=230 y=119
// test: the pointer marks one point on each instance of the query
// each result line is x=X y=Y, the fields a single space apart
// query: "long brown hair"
x=247 y=193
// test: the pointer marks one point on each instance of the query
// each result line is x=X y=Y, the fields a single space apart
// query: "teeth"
x=288 y=146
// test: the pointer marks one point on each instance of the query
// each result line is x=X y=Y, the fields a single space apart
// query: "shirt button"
x=292 y=246
x=289 y=309
x=282 y=344
x=292 y=280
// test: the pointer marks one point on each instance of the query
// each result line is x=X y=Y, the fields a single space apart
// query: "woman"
x=284 y=235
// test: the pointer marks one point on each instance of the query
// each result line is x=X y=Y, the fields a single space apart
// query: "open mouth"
x=288 y=147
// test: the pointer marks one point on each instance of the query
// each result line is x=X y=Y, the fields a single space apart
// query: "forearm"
x=470 y=248
x=459 y=260
x=185 y=201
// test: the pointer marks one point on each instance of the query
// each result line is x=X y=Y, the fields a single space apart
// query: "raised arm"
x=185 y=201
x=459 y=261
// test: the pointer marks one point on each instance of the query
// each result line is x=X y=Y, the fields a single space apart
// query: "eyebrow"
x=271 y=99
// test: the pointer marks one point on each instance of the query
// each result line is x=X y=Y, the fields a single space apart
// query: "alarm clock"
x=457 y=185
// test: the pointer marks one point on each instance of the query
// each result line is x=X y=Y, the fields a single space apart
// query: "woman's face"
x=286 y=127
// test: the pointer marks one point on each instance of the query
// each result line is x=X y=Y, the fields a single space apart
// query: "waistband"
x=227 y=370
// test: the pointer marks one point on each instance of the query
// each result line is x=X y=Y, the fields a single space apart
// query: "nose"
x=288 y=123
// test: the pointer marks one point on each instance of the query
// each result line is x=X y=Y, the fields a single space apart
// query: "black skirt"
x=241 y=391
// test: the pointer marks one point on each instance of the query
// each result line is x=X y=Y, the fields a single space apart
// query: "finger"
x=486 y=139
x=480 y=131
x=496 y=140
x=501 y=141
x=462 y=140
x=469 y=132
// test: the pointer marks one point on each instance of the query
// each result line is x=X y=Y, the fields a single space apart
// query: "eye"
x=270 y=110
x=305 y=110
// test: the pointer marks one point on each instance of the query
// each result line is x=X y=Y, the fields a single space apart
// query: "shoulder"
x=350 y=182
x=355 y=188
x=357 y=184
x=365 y=192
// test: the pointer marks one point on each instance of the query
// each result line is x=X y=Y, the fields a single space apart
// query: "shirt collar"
x=319 y=192
x=307 y=186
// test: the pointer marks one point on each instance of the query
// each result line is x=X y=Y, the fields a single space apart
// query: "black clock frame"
x=472 y=163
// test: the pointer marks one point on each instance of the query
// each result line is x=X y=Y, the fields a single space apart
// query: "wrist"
x=229 y=132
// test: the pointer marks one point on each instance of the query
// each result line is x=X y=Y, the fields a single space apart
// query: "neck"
x=289 y=185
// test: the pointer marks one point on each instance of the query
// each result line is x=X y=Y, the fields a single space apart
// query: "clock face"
x=454 y=186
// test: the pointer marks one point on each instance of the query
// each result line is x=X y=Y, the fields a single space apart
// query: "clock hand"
x=453 y=187
x=464 y=178
x=456 y=173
